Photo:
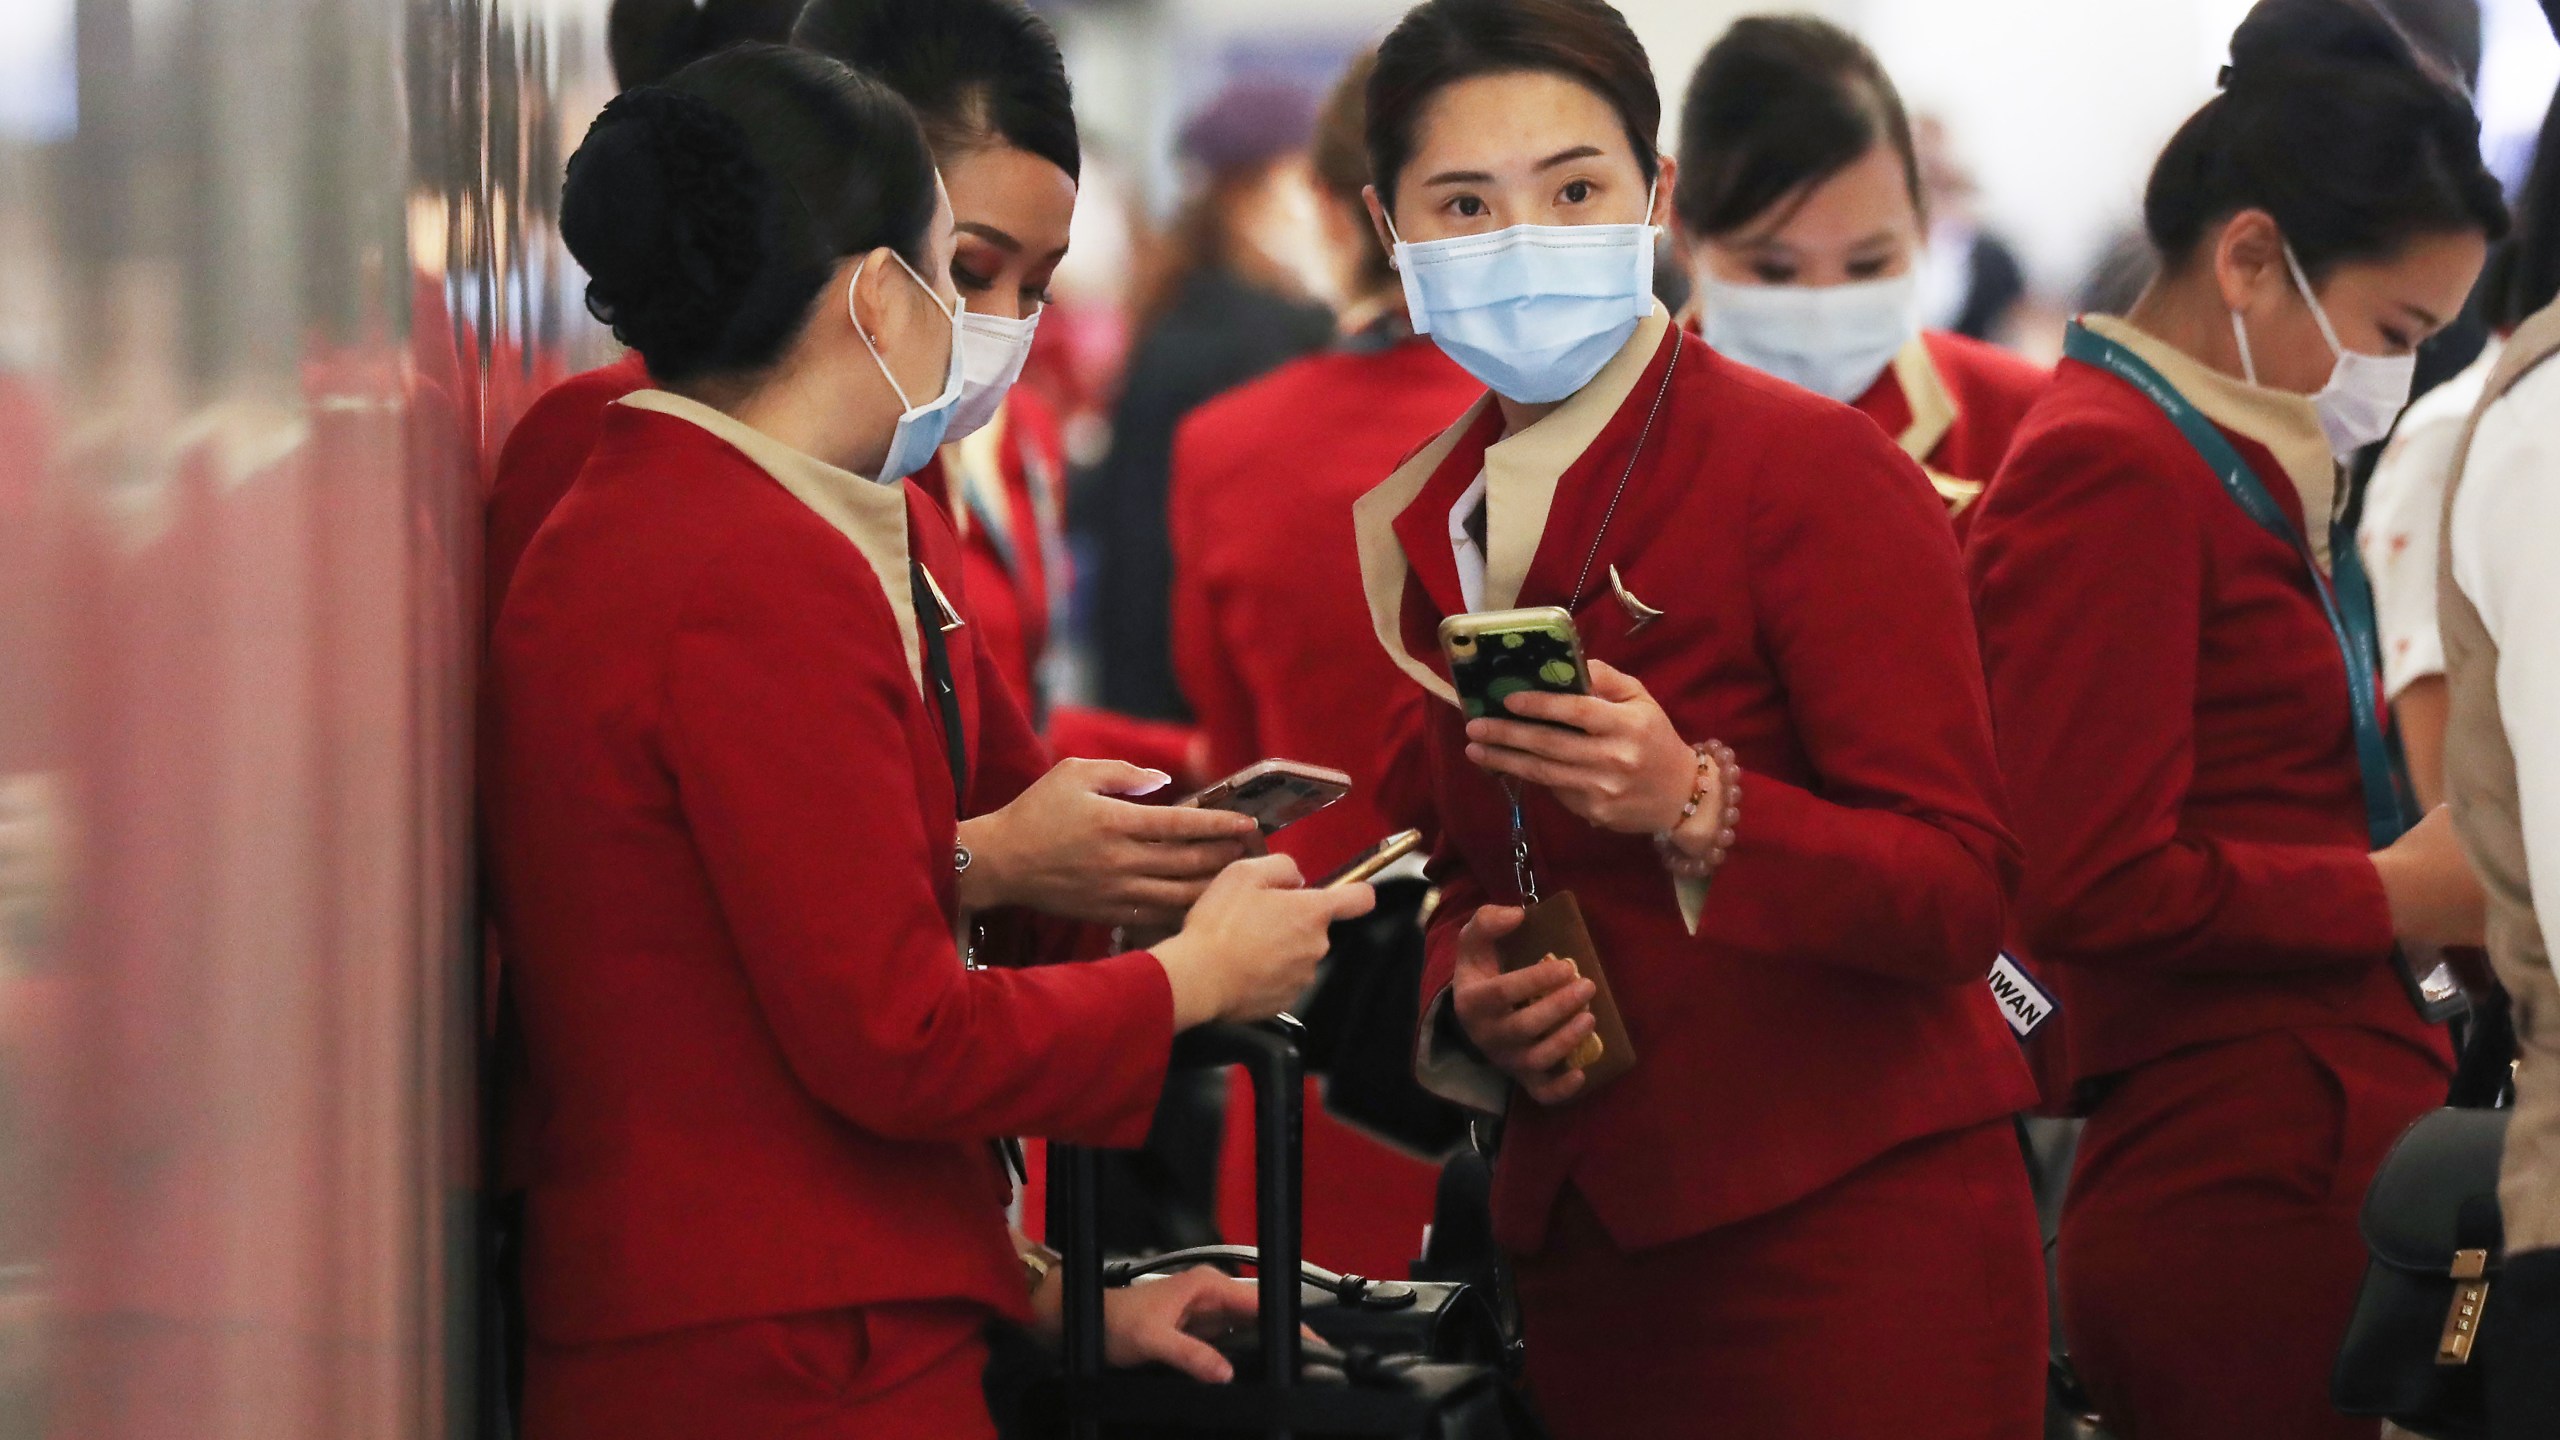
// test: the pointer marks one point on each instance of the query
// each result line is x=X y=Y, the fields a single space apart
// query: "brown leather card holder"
x=1555 y=927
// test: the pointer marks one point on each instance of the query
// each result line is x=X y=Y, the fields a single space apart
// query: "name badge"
x=2025 y=1004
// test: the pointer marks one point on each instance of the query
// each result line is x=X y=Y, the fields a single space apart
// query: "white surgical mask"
x=920 y=428
x=1532 y=311
x=998 y=345
x=1833 y=340
x=2365 y=393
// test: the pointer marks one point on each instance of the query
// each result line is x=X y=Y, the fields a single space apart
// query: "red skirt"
x=1906 y=1300
x=887 y=1372
x=2210 y=1256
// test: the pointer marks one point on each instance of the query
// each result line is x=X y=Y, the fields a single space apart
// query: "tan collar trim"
x=1933 y=406
x=1523 y=470
x=871 y=515
x=2288 y=425
x=975 y=468
x=1521 y=474
x=1383 y=568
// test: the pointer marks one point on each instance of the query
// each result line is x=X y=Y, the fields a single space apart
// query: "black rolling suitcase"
x=1412 y=1360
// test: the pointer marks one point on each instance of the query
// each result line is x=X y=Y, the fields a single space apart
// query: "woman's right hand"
x=2434 y=897
x=1250 y=947
x=1071 y=845
x=1527 y=1022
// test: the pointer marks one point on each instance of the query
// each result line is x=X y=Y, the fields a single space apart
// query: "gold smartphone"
x=1379 y=856
x=1276 y=793
x=1497 y=654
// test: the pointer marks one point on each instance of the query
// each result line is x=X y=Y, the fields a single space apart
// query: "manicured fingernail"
x=1151 y=782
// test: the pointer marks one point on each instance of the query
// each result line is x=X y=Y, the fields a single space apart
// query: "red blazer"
x=1270 y=633
x=1831 y=1003
x=2173 y=724
x=719 y=821
x=1955 y=413
x=542 y=456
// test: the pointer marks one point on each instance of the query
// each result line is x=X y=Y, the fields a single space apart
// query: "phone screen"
x=1277 y=799
x=1489 y=668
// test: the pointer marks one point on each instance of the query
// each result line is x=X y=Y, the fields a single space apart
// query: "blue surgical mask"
x=920 y=427
x=1533 y=311
x=1833 y=340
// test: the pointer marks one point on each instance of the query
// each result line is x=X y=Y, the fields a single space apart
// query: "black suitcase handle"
x=1357 y=1292
x=1270 y=1054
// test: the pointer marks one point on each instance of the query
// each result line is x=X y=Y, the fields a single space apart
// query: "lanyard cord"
x=1522 y=872
x=2345 y=602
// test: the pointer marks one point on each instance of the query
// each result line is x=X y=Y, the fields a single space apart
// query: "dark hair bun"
x=2281 y=38
x=710 y=212
x=2331 y=121
x=650 y=40
x=666 y=208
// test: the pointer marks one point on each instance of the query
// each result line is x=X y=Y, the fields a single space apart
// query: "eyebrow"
x=991 y=235
x=2422 y=315
x=1485 y=177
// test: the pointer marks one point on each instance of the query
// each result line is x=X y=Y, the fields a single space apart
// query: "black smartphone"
x=1501 y=653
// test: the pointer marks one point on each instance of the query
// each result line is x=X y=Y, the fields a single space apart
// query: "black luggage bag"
x=1408 y=1360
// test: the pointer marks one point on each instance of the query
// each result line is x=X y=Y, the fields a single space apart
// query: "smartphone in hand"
x=1377 y=858
x=1497 y=654
x=1276 y=793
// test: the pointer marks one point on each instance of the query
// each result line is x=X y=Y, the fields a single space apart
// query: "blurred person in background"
x=2401 y=532
x=2221 y=869
x=731 y=718
x=1226 y=299
x=1971 y=280
x=1266 y=590
x=1810 y=1163
x=648 y=41
x=1800 y=204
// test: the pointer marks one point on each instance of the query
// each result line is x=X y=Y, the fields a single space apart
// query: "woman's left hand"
x=1621 y=766
x=1170 y=1321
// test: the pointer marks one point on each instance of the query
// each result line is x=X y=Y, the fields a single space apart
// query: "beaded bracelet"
x=1717 y=757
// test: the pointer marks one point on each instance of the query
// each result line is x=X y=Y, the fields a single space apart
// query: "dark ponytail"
x=2331 y=122
x=980 y=73
x=1781 y=103
x=650 y=40
x=709 y=212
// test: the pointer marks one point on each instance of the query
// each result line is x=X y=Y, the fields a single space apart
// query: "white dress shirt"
x=1469 y=554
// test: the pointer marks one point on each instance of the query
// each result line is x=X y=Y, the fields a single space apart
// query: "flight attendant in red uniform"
x=986 y=79
x=1778 y=808
x=733 y=712
x=2179 y=640
x=1800 y=207
x=1266 y=585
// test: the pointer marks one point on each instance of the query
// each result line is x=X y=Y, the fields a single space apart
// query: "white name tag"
x=2025 y=1004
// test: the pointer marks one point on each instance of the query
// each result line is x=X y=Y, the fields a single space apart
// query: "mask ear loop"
x=905 y=405
x=2319 y=312
x=2240 y=332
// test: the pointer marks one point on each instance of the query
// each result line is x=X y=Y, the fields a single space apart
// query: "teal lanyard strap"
x=2346 y=600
